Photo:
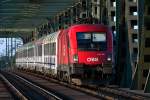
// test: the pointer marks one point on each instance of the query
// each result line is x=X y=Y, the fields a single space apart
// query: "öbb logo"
x=92 y=59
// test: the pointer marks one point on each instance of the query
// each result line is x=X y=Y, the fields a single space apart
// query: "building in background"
x=131 y=16
x=141 y=79
x=144 y=57
x=111 y=12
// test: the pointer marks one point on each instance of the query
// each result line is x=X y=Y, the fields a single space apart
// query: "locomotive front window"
x=91 y=41
x=99 y=37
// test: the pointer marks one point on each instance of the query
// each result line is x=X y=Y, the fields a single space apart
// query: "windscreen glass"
x=91 y=41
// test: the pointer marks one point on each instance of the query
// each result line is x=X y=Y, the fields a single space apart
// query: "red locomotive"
x=85 y=52
x=82 y=54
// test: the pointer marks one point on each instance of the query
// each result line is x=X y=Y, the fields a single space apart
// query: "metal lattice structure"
x=141 y=79
x=28 y=14
x=123 y=64
x=24 y=16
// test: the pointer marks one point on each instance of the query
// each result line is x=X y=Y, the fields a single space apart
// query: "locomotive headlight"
x=75 y=58
x=109 y=57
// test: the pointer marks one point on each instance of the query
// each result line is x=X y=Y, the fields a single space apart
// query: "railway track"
x=8 y=91
x=108 y=93
x=62 y=92
x=28 y=89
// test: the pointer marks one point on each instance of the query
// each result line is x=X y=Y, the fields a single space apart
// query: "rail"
x=13 y=90
x=104 y=92
x=30 y=90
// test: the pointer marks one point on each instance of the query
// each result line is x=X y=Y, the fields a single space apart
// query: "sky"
x=16 y=41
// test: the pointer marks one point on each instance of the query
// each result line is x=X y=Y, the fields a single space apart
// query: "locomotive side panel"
x=63 y=55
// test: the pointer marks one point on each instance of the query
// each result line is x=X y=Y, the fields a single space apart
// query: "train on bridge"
x=82 y=54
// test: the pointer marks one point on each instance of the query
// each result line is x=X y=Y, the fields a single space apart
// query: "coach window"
x=54 y=46
x=46 y=49
x=23 y=53
x=39 y=50
x=17 y=54
x=20 y=54
x=28 y=52
x=50 y=50
x=32 y=52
